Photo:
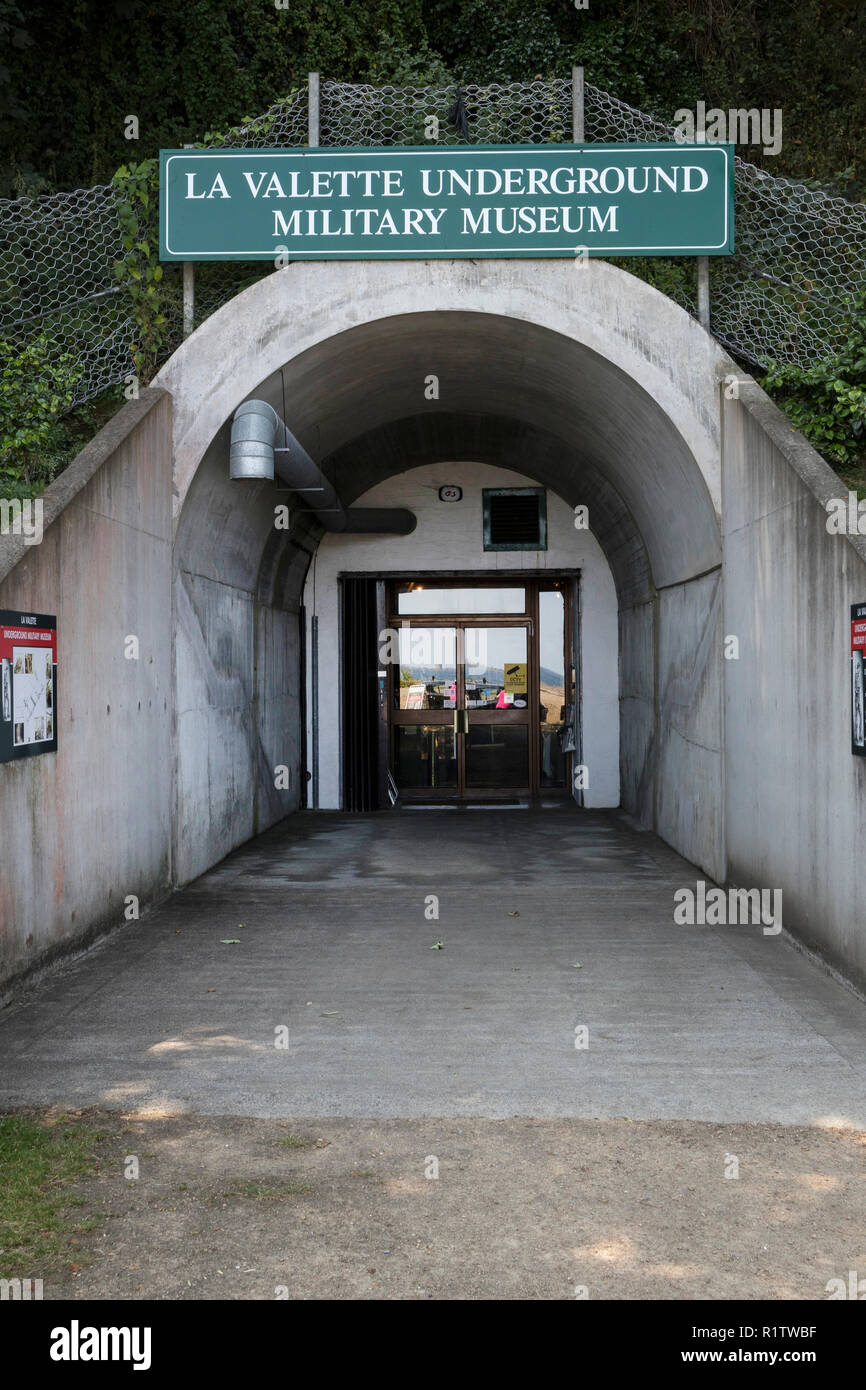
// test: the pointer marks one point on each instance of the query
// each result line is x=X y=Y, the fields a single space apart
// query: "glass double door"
x=462 y=709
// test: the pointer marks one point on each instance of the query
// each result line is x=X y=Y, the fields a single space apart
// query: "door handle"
x=461 y=721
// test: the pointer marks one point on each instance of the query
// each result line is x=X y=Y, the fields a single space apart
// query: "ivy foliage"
x=37 y=385
x=70 y=74
x=140 y=271
x=82 y=67
x=827 y=402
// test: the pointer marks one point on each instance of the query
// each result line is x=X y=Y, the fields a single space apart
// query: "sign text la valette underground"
x=562 y=200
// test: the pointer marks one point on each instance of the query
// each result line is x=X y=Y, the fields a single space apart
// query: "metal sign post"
x=577 y=106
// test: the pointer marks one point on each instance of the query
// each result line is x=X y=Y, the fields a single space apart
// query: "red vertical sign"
x=28 y=684
x=858 y=679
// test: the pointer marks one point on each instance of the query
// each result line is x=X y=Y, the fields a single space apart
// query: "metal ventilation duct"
x=262 y=445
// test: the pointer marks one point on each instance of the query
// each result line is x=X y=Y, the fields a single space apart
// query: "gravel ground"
x=227 y=1207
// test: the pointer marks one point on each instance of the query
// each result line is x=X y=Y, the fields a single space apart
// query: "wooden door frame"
x=565 y=581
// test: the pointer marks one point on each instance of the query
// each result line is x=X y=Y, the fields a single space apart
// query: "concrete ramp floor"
x=549 y=920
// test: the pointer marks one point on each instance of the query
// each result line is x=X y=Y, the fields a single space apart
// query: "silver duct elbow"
x=254 y=435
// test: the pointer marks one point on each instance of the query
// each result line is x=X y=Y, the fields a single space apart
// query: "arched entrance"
x=580 y=379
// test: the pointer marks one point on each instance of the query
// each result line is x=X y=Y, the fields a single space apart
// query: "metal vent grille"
x=515 y=519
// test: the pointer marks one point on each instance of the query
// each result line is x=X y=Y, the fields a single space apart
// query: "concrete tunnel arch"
x=582 y=377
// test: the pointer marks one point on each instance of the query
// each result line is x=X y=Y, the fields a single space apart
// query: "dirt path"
x=237 y=1208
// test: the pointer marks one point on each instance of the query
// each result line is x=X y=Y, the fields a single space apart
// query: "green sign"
x=421 y=202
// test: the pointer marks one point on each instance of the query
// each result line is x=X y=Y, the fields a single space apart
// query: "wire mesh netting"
x=523 y=113
x=57 y=255
x=285 y=123
x=789 y=294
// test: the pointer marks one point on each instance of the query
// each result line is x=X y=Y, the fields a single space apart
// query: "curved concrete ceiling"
x=528 y=449
x=620 y=413
x=556 y=409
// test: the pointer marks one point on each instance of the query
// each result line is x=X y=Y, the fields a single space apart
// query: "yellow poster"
x=515 y=678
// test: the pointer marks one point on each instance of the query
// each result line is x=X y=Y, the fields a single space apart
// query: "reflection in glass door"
x=460 y=709
x=496 y=683
x=553 y=720
x=478 y=690
x=424 y=704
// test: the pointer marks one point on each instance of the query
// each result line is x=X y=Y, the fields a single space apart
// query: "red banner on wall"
x=858 y=679
x=28 y=684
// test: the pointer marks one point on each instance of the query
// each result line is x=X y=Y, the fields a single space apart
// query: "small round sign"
x=450 y=494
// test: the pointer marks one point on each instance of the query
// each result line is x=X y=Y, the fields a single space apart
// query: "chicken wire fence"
x=788 y=295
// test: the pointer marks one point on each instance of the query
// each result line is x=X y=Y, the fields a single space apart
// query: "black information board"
x=28 y=684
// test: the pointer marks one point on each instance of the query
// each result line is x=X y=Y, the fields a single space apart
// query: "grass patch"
x=294 y=1141
x=37 y=1162
x=258 y=1192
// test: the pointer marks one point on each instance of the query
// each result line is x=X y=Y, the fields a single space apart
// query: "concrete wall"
x=166 y=763
x=237 y=665
x=84 y=828
x=689 y=809
x=671 y=717
x=448 y=537
x=795 y=795
x=638 y=737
